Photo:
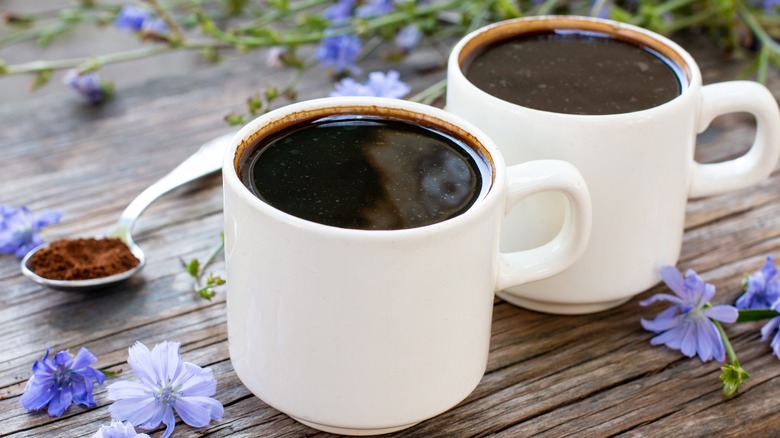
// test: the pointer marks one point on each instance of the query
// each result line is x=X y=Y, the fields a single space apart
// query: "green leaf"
x=108 y=373
x=42 y=78
x=756 y=315
x=733 y=377
x=193 y=267
x=207 y=293
x=3 y=67
x=234 y=119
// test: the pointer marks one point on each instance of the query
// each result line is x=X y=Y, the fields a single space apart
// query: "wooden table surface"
x=592 y=375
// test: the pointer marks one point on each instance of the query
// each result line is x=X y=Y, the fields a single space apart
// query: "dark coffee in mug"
x=574 y=72
x=365 y=172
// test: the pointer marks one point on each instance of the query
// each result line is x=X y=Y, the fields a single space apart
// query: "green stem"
x=690 y=20
x=756 y=315
x=430 y=94
x=172 y=26
x=277 y=14
x=111 y=58
x=210 y=259
x=368 y=25
x=726 y=342
x=598 y=5
x=547 y=7
x=759 y=31
x=669 y=6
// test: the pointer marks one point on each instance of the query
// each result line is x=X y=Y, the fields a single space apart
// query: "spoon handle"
x=204 y=161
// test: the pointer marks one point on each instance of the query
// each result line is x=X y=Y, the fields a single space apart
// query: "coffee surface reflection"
x=574 y=72
x=365 y=172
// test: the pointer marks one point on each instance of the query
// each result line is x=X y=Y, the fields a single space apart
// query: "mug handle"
x=755 y=165
x=561 y=252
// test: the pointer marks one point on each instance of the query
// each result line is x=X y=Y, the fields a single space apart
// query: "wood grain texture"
x=592 y=375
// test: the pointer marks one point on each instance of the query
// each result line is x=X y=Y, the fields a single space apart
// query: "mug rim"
x=276 y=120
x=626 y=32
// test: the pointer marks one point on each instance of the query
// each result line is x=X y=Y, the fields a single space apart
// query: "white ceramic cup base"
x=560 y=308
x=353 y=432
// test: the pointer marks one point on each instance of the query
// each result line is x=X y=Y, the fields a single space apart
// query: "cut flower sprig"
x=344 y=31
x=695 y=327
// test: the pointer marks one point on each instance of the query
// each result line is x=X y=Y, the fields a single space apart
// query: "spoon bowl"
x=206 y=160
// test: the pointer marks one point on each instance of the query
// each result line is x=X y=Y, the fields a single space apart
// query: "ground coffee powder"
x=82 y=259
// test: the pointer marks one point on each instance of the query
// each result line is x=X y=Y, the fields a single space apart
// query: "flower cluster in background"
x=344 y=33
x=693 y=325
x=166 y=385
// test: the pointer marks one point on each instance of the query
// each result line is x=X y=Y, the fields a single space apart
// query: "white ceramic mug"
x=369 y=331
x=639 y=167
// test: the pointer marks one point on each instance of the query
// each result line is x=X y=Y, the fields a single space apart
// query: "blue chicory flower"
x=770 y=6
x=375 y=8
x=339 y=11
x=407 y=38
x=154 y=25
x=60 y=381
x=88 y=85
x=762 y=289
x=768 y=329
x=339 y=52
x=378 y=85
x=687 y=325
x=131 y=18
x=166 y=384
x=20 y=228
x=117 y=429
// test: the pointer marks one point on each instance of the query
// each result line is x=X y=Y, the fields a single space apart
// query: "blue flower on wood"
x=688 y=324
x=762 y=289
x=88 y=85
x=20 y=228
x=131 y=18
x=339 y=52
x=117 y=429
x=167 y=384
x=61 y=381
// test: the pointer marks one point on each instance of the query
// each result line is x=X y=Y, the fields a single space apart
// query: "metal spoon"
x=206 y=160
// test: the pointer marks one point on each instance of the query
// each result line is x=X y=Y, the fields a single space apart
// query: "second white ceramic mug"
x=639 y=166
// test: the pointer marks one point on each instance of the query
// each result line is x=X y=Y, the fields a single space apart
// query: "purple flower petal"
x=131 y=18
x=673 y=279
x=37 y=394
x=374 y=8
x=84 y=358
x=407 y=38
x=170 y=423
x=19 y=229
x=770 y=327
x=775 y=344
x=60 y=402
x=339 y=11
x=192 y=413
x=660 y=297
x=117 y=429
x=140 y=360
x=722 y=313
x=136 y=410
x=202 y=382
x=339 y=52
x=688 y=343
x=123 y=390
x=46 y=217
